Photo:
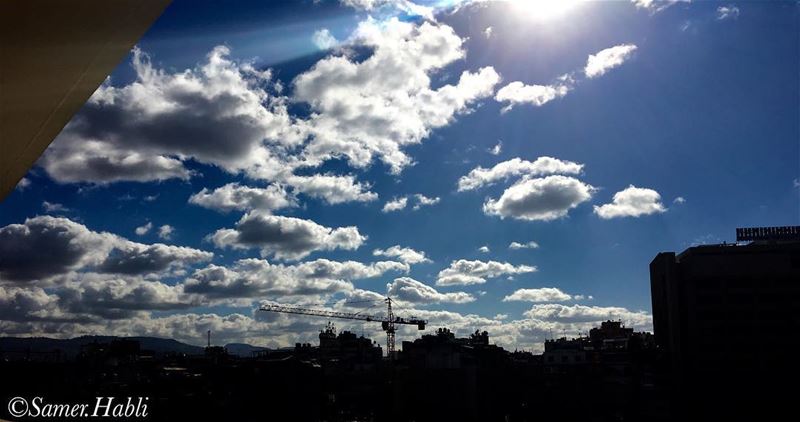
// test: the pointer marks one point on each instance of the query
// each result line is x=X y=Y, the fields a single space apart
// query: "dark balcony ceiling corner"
x=53 y=56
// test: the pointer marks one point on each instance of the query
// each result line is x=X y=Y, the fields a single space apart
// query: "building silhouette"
x=727 y=323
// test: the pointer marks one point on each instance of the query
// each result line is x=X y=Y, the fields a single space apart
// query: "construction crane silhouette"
x=388 y=322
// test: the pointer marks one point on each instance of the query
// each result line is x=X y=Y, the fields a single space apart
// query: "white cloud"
x=165 y=231
x=480 y=176
x=542 y=199
x=393 y=6
x=118 y=297
x=583 y=313
x=598 y=64
x=54 y=207
x=409 y=290
x=228 y=114
x=497 y=149
x=605 y=60
x=537 y=95
x=655 y=6
x=631 y=202
x=727 y=12
x=373 y=108
x=484 y=249
x=285 y=238
x=395 y=204
x=323 y=39
x=142 y=230
x=407 y=255
x=544 y=294
x=424 y=201
x=218 y=113
x=464 y=272
x=332 y=189
x=70 y=246
x=23 y=184
x=526 y=245
x=255 y=278
x=234 y=196
x=679 y=200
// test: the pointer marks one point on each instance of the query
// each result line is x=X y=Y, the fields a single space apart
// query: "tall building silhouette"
x=726 y=320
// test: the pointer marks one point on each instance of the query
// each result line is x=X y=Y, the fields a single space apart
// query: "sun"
x=544 y=9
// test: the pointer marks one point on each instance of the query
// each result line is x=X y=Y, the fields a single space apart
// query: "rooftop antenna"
x=209 y=338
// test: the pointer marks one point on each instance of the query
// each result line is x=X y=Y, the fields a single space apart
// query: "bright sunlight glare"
x=544 y=9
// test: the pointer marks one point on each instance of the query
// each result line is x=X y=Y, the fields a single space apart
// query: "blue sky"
x=270 y=137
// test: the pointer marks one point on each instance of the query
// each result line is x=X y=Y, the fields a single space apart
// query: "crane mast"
x=387 y=322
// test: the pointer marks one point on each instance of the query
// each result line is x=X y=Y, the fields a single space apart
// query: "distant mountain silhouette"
x=242 y=349
x=71 y=347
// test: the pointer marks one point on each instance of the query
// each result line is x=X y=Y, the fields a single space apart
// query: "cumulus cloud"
x=631 y=202
x=90 y=297
x=655 y=6
x=136 y=258
x=373 y=108
x=218 y=113
x=484 y=249
x=23 y=184
x=143 y=230
x=400 y=203
x=544 y=294
x=396 y=204
x=464 y=272
x=70 y=246
x=514 y=167
x=234 y=196
x=66 y=244
x=165 y=232
x=115 y=297
x=259 y=279
x=583 y=313
x=407 y=255
x=409 y=290
x=497 y=149
x=537 y=95
x=54 y=207
x=727 y=12
x=323 y=39
x=393 y=6
x=286 y=238
x=424 y=201
x=29 y=304
x=332 y=189
x=600 y=63
x=228 y=114
x=526 y=245
x=679 y=200
x=542 y=199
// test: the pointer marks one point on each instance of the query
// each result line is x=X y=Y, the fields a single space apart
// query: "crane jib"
x=387 y=322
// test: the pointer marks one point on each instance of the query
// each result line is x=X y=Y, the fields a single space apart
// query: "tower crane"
x=388 y=322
